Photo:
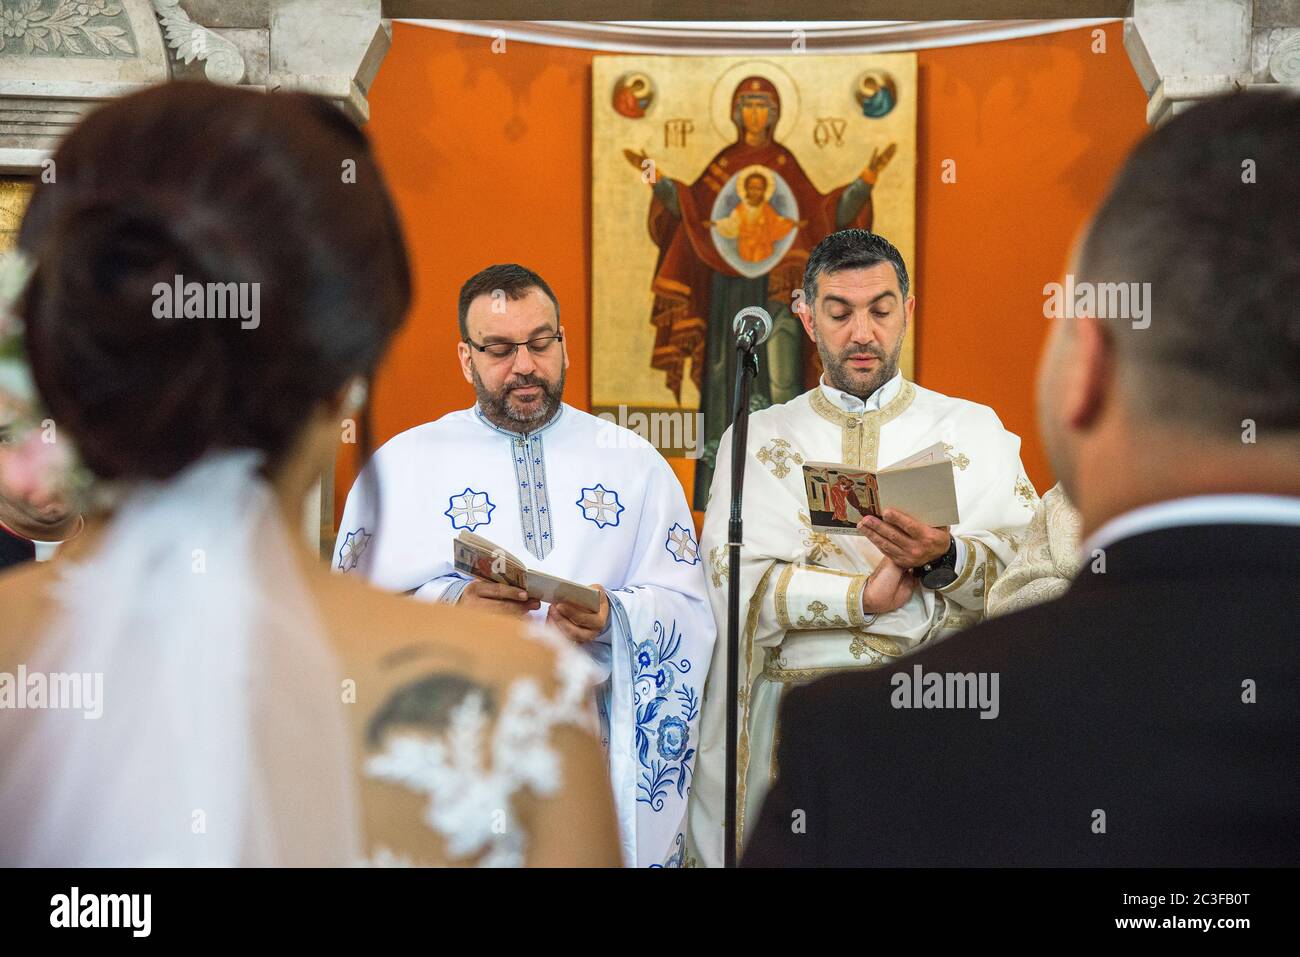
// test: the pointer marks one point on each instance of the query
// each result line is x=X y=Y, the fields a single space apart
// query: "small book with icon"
x=921 y=485
x=475 y=555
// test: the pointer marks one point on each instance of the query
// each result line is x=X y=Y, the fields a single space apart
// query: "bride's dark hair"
x=215 y=185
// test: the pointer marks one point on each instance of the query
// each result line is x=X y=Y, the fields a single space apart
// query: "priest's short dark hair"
x=852 y=249
x=513 y=280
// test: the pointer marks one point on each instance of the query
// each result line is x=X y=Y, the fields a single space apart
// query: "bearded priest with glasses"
x=571 y=495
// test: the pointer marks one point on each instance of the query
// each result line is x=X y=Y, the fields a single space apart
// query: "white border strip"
x=729 y=37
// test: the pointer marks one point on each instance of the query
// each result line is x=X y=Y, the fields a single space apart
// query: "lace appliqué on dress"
x=472 y=772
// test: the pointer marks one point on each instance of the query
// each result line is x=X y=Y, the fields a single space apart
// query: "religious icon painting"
x=713 y=179
x=15 y=194
x=632 y=95
x=876 y=93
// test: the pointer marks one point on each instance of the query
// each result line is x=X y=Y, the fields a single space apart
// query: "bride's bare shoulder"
x=419 y=672
x=17 y=583
x=375 y=628
x=24 y=596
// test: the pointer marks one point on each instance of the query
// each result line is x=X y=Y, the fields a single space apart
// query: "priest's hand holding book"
x=497 y=597
x=905 y=541
x=905 y=510
x=928 y=551
x=580 y=625
x=502 y=583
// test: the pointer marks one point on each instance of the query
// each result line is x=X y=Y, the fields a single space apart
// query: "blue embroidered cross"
x=682 y=546
x=600 y=505
x=354 y=543
x=469 y=509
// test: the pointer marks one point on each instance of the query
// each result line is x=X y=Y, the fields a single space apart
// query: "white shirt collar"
x=1197 y=510
x=874 y=402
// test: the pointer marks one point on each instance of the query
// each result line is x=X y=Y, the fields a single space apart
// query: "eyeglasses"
x=505 y=350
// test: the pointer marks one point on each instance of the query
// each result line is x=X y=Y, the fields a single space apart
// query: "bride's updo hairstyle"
x=198 y=183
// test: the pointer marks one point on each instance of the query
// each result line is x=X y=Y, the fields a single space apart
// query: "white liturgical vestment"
x=801 y=589
x=589 y=501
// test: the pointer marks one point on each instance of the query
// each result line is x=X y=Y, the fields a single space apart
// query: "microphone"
x=752 y=326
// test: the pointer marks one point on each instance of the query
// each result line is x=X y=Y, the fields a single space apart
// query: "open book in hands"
x=921 y=485
x=475 y=555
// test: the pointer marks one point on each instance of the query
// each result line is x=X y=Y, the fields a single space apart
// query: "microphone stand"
x=746 y=370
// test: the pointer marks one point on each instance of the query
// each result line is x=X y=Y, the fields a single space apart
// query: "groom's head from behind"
x=1193 y=384
x=512 y=346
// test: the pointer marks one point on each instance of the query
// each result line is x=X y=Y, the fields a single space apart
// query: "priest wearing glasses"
x=574 y=496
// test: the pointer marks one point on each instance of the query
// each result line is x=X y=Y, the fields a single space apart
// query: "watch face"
x=940 y=577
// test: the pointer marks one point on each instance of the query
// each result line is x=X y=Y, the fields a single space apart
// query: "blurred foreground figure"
x=35 y=515
x=1151 y=715
x=205 y=297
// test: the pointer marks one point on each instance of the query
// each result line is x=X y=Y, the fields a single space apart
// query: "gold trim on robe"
x=861 y=440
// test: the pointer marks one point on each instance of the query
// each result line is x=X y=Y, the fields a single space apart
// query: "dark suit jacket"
x=14 y=550
x=1123 y=696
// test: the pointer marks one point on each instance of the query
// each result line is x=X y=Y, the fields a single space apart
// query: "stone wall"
x=1187 y=50
x=58 y=58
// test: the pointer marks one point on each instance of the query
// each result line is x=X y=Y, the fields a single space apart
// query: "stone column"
x=1188 y=50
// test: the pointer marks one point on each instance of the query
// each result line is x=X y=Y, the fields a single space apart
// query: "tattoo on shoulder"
x=425 y=704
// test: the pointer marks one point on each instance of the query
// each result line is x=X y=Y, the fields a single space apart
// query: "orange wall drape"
x=488 y=156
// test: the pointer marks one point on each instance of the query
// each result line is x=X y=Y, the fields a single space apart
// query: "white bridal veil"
x=223 y=738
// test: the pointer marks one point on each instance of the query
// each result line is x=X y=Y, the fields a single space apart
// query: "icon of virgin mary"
x=740 y=236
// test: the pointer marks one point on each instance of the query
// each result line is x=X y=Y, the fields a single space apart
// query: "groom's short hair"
x=513 y=280
x=1205 y=210
x=851 y=249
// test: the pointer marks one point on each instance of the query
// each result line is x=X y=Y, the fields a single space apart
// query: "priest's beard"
x=860 y=384
x=501 y=411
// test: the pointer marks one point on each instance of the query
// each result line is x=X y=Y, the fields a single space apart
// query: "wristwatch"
x=941 y=572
